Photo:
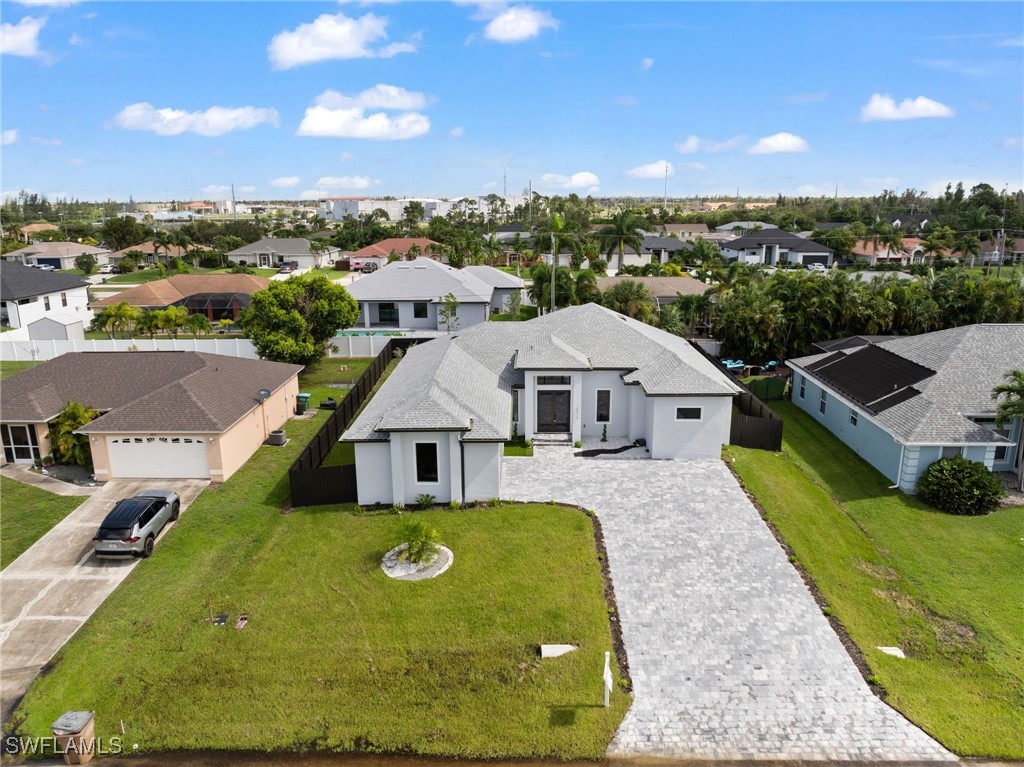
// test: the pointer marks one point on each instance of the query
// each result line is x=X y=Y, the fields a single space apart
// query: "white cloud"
x=284 y=182
x=1011 y=142
x=646 y=64
x=490 y=185
x=380 y=96
x=9 y=137
x=884 y=107
x=625 y=101
x=457 y=132
x=518 y=23
x=42 y=141
x=1012 y=42
x=956 y=67
x=652 y=170
x=332 y=37
x=696 y=143
x=582 y=180
x=247 y=189
x=215 y=121
x=345 y=156
x=48 y=3
x=337 y=116
x=698 y=166
x=76 y=39
x=76 y=161
x=344 y=182
x=21 y=39
x=217 y=190
x=689 y=146
x=779 y=142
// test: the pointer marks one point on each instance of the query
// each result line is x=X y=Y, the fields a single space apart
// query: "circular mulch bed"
x=394 y=566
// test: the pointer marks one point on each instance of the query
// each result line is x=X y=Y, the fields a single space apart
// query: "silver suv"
x=131 y=528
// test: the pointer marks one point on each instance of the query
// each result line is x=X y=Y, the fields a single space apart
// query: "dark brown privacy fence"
x=755 y=425
x=313 y=484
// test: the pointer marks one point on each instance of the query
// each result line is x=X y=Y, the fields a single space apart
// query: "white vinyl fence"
x=358 y=346
x=28 y=351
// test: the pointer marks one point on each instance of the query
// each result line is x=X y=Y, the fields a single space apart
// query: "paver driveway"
x=729 y=654
x=48 y=592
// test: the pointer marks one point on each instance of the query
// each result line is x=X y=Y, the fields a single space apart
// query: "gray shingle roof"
x=59 y=250
x=968 y=362
x=777 y=237
x=283 y=246
x=420 y=280
x=494 y=277
x=18 y=281
x=464 y=381
x=144 y=391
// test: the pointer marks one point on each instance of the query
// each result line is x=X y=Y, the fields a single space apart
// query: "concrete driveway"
x=48 y=592
x=731 y=658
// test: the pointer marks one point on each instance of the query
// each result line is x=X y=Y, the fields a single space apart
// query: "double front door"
x=553 y=411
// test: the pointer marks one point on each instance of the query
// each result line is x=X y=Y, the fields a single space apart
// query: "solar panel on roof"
x=871 y=373
x=894 y=399
x=826 y=361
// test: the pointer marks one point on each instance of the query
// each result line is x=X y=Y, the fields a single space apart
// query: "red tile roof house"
x=218 y=296
x=400 y=246
x=173 y=415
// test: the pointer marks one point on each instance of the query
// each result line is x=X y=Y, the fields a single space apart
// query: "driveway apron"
x=730 y=656
x=48 y=592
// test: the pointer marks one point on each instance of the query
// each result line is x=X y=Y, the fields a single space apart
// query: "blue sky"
x=178 y=100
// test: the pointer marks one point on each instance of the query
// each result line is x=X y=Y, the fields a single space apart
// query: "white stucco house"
x=273 y=251
x=42 y=306
x=439 y=423
x=407 y=294
x=776 y=246
x=904 y=403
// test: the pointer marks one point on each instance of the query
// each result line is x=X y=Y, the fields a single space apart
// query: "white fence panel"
x=27 y=351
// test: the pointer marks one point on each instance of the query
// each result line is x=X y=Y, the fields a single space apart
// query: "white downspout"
x=899 y=473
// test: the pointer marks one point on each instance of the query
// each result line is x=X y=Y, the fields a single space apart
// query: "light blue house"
x=905 y=403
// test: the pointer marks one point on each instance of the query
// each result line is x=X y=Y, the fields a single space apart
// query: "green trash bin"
x=301 y=403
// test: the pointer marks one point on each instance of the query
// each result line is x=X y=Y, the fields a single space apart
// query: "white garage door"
x=158 y=457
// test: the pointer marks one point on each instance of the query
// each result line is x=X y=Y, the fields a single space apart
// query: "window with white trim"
x=426 y=462
x=822 y=401
x=803 y=387
x=853 y=417
x=604 y=406
x=688 y=413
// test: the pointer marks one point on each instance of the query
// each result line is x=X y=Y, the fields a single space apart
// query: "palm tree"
x=120 y=317
x=148 y=323
x=622 y=232
x=587 y=291
x=633 y=299
x=197 y=324
x=1010 y=409
x=493 y=251
x=67 y=446
x=172 y=319
x=318 y=247
x=162 y=239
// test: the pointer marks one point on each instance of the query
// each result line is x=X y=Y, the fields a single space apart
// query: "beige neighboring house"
x=664 y=289
x=154 y=252
x=869 y=253
x=59 y=255
x=164 y=415
x=686 y=232
x=25 y=232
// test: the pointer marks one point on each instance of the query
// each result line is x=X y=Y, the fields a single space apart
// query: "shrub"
x=455 y=506
x=420 y=540
x=425 y=500
x=604 y=433
x=959 y=486
x=210 y=260
x=577 y=443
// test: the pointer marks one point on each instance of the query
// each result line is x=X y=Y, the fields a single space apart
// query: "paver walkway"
x=729 y=654
x=48 y=592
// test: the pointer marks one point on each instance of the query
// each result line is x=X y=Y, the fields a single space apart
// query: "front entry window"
x=426 y=462
x=20 y=443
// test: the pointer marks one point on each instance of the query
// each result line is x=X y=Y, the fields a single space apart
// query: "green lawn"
x=344 y=453
x=335 y=655
x=525 y=313
x=328 y=271
x=7 y=369
x=151 y=275
x=518 y=447
x=26 y=513
x=946 y=589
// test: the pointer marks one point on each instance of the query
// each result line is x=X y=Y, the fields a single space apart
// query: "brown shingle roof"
x=153 y=392
x=399 y=245
x=149 y=248
x=180 y=286
x=664 y=289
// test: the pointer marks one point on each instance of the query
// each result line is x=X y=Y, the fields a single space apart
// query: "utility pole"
x=554 y=271
x=504 y=175
x=664 y=203
x=234 y=208
x=529 y=203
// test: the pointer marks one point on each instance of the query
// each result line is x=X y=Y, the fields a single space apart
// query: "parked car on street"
x=131 y=528
x=107 y=269
x=816 y=267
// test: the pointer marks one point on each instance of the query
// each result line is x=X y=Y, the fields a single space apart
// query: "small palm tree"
x=1010 y=409
x=197 y=324
x=148 y=323
x=162 y=240
x=633 y=299
x=67 y=446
